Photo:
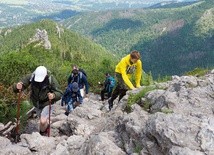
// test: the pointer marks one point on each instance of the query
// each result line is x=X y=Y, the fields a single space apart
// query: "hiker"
x=79 y=76
x=125 y=68
x=71 y=97
x=108 y=86
x=44 y=89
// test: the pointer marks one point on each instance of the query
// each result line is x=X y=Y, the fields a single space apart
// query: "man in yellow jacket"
x=125 y=68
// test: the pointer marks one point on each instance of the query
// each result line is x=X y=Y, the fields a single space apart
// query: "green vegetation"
x=147 y=79
x=134 y=98
x=166 y=110
x=8 y=106
x=163 y=79
x=19 y=57
x=171 y=40
x=6 y=99
x=197 y=72
x=138 y=148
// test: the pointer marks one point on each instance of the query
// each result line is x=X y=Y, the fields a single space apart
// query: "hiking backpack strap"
x=32 y=76
x=78 y=78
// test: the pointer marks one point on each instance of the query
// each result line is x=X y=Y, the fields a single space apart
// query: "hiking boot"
x=110 y=105
x=45 y=133
x=76 y=104
x=66 y=113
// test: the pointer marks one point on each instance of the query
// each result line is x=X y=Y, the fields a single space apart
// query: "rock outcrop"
x=41 y=37
x=179 y=121
x=59 y=30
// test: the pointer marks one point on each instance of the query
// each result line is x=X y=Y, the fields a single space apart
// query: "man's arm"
x=85 y=83
x=124 y=74
x=23 y=83
x=138 y=73
x=55 y=89
x=80 y=97
x=69 y=79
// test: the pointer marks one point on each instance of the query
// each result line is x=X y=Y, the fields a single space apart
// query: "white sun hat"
x=40 y=73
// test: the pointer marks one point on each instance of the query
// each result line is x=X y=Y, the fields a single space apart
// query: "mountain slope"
x=46 y=43
x=17 y=45
x=175 y=118
x=171 y=40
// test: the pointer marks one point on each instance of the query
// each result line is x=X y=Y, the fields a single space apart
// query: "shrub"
x=197 y=72
x=134 y=98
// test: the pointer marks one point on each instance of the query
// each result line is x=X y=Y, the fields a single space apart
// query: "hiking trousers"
x=103 y=94
x=120 y=89
x=70 y=105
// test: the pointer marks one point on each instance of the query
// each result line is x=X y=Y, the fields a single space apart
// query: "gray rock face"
x=179 y=121
x=186 y=95
x=183 y=151
x=4 y=142
x=36 y=142
x=102 y=144
x=174 y=130
x=59 y=30
x=41 y=36
x=16 y=150
x=7 y=148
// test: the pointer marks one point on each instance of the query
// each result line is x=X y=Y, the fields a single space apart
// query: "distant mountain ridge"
x=171 y=40
x=171 y=4
x=26 y=11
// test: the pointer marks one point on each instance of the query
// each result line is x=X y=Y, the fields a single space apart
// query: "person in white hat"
x=44 y=88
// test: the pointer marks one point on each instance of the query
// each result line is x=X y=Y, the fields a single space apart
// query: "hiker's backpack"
x=112 y=82
x=79 y=78
x=83 y=71
x=65 y=97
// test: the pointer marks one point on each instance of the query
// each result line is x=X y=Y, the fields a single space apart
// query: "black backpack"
x=65 y=97
x=83 y=71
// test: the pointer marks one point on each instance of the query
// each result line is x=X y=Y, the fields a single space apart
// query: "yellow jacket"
x=125 y=68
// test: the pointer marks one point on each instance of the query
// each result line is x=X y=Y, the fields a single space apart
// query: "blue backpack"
x=66 y=97
x=112 y=82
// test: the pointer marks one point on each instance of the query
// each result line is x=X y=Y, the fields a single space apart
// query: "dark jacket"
x=80 y=79
x=69 y=94
x=40 y=90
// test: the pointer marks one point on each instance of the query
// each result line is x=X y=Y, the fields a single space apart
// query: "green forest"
x=18 y=57
x=172 y=40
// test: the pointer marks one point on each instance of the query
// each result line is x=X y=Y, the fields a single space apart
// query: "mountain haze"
x=172 y=40
x=14 y=13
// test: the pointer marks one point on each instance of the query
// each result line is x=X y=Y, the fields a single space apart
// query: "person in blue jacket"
x=79 y=77
x=71 y=97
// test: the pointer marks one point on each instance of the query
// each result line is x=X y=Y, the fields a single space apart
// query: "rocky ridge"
x=179 y=121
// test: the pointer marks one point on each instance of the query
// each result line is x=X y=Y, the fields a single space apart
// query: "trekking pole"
x=49 y=130
x=18 y=116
